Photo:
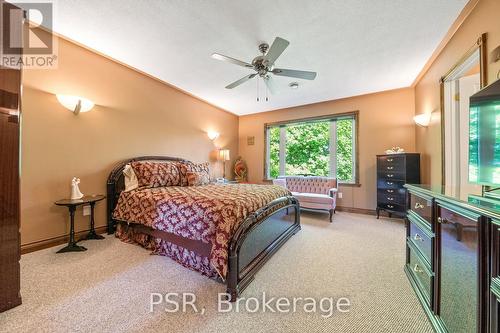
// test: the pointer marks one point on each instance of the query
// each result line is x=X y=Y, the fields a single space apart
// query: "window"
x=317 y=146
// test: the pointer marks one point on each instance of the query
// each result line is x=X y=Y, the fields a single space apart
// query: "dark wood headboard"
x=116 y=183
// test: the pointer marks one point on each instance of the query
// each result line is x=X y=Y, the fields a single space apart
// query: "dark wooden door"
x=10 y=90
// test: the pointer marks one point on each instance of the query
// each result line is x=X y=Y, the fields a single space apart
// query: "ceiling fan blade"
x=240 y=81
x=270 y=84
x=294 y=73
x=279 y=45
x=231 y=60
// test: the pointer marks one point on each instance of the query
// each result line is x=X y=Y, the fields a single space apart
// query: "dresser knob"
x=417 y=237
x=390 y=183
x=417 y=269
x=442 y=221
x=390 y=168
x=390 y=199
x=390 y=160
x=390 y=191
x=390 y=206
x=390 y=175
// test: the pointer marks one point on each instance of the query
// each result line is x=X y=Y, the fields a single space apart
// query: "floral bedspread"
x=209 y=213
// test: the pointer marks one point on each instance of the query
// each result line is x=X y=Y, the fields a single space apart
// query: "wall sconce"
x=213 y=135
x=423 y=119
x=75 y=104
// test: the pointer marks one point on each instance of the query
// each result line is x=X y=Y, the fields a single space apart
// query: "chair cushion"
x=313 y=198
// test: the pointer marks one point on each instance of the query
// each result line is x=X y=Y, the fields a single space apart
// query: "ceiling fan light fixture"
x=294 y=85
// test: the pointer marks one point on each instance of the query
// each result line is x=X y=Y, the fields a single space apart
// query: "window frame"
x=330 y=117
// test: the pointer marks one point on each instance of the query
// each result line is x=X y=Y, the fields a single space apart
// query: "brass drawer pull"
x=390 y=199
x=418 y=205
x=390 y=168
x=417 y=269
x=390 y=206
x=390 y=191
x=390 y=159
x=390 y=175
x=417 y=237
x=390 y=183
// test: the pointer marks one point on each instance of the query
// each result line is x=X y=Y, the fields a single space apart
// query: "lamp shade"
x=423 y=119
x=224 y=155
x=75 y=104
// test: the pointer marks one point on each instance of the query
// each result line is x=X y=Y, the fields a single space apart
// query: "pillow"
x=131 y=182
x=196 y=178
x=185 y=167
x=156 y=174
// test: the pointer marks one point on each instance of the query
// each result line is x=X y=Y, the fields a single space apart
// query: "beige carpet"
x=107 y=288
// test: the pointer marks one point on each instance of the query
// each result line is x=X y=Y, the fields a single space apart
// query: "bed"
x=223 y=231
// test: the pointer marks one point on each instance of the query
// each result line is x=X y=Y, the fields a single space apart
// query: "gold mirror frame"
x=481 y=46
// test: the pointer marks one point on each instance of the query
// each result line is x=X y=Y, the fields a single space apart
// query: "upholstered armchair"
x=319 y=193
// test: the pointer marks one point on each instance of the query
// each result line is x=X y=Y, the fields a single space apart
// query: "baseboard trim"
x=46 y=243
x=357 y=210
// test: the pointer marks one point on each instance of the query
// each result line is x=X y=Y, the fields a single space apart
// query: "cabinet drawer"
x=421 y=206
x=421 y=240
x=421 y=275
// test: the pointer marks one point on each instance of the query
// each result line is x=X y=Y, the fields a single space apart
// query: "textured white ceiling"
x=356 y=46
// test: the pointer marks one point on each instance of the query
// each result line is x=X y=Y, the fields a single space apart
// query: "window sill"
x=269 y=180
x=349 y=184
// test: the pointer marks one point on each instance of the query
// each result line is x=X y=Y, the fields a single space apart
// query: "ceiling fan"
x=263 y=65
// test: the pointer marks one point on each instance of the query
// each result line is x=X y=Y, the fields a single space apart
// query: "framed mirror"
x=463 y=80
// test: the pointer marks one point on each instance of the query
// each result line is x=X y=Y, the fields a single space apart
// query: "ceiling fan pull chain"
x=267 y=90
x=257 y=90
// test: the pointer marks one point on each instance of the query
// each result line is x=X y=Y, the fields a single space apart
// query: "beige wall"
x=135 y=115
x=385 y=120
x=484 y=18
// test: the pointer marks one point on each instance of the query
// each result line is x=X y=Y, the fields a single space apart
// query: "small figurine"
x=395 y=150
x=240 y=170
x=75 y=190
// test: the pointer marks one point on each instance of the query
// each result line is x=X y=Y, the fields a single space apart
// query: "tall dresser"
x=393 y=172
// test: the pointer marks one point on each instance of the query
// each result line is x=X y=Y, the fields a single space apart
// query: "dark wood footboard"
x=257 y=239
x=254 y=242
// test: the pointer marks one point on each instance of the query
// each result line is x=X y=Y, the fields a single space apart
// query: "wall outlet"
x=86 y=210
x=339 y=195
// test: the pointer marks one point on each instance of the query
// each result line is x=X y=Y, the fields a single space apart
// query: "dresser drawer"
x=421 y=206
x=392 y=175
x=420 y=239
x=390 y=184
x=393 y=162
x=392 y=207
x=395 y=198
x=420 y=274
x=392 y=191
